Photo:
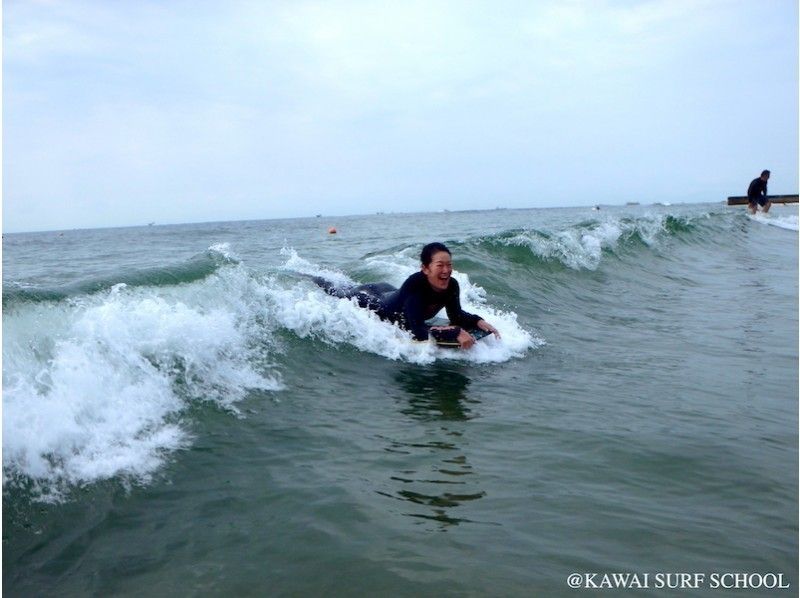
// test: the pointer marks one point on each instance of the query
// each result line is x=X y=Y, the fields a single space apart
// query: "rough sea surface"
x=186 y=414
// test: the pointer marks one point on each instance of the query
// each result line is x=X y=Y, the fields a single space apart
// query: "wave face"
x=96 y=385
x=99 y=376
x=104 y=371
x=194 y=269
x=584 y=245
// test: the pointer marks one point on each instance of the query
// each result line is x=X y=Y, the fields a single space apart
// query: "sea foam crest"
x=94 y=388
x=295 y=263
x=786 y=221
x=310 y=312
x=582 y=246
x=224 y=249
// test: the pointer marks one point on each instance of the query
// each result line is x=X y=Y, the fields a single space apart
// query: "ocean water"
x=185 y=413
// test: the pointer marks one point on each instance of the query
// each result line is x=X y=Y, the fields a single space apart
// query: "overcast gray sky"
x=121 y=113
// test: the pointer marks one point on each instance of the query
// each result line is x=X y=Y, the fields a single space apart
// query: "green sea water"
x=186 y=414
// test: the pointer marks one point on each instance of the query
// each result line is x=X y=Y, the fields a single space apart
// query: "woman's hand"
x=485 y=326
x=465 y=339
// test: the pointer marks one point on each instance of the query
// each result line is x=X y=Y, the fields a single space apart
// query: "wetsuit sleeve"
x=455 y=314
x=413 y=316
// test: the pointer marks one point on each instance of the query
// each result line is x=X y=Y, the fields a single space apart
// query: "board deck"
x=476 y=332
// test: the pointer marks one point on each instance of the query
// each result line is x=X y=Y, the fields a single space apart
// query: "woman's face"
x=440 y=269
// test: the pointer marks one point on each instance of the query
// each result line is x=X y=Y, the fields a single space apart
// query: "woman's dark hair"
x=427 y=252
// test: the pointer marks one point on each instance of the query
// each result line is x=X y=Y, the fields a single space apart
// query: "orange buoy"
x=332 y=230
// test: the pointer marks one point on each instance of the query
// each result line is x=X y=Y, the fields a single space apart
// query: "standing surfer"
x=757 y=193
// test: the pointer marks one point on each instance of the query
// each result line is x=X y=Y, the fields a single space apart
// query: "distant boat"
x=150 y=223
x=632 y=203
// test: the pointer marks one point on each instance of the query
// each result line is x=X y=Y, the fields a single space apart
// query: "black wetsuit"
x=410 y=305
x=757 y=192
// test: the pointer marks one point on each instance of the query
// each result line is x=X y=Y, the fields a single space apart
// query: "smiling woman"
x=420 y=298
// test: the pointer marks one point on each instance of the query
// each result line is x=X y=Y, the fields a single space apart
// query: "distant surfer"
x=420 y=298
x=757 y=194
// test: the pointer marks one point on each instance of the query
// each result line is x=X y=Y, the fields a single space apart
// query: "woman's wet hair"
x=426 y=256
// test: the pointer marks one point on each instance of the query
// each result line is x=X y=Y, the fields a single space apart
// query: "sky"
x=129 y=112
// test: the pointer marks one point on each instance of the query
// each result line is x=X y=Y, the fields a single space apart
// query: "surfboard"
x=476 y=332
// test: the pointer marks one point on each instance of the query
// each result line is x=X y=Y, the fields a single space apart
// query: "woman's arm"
x=455 y=314
x=414 y=317
x=458 y=316
x=484 y=325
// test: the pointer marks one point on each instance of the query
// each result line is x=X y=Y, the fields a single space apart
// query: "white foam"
x=93 y=388
x=393 y=268
x=224 y=249
x=788 y=222
x=295 y=263
x=310 y=312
